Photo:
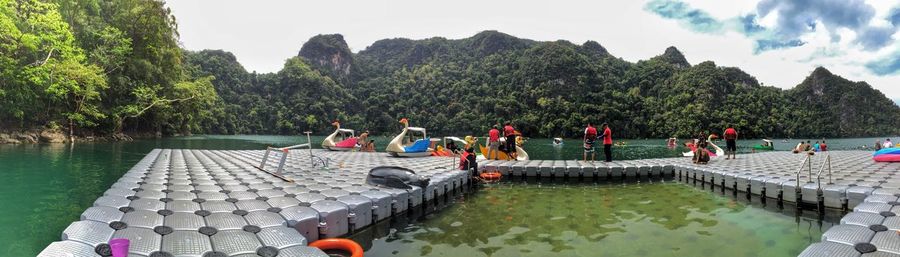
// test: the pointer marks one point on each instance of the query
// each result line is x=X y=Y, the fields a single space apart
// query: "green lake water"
x=607 y=220
x=47 y=186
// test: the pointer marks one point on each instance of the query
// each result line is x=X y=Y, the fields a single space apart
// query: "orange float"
x=342 y=244
x=490 y=176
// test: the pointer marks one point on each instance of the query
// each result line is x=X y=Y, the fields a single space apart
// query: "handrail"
x=825 y=163
x=284 y=153
x=282 y=149
x=804 y=163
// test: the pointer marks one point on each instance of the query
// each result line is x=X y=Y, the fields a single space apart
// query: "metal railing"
x=826 y=163
x=807 y=162
x=284 y=154
x=313 y=159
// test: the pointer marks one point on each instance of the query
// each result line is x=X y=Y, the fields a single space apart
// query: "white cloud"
x=263 y=33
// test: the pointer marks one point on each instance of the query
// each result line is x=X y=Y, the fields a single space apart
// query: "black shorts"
x=511 y=144
x=731 y=145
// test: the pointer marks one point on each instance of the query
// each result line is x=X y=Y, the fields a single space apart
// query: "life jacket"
x=590 y=133
x=462 y=160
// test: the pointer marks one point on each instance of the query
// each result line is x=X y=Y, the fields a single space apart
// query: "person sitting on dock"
x=887 y=144
x=590 y=136
x=800 y=147
x=493 y=143
x=817 y=147
x=877 y=145
x=823 y=146
x=701 y=156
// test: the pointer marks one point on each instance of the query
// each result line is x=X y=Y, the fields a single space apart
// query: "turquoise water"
x=46 y=186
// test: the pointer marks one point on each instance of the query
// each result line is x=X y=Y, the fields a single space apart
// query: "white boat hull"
x=719 y=151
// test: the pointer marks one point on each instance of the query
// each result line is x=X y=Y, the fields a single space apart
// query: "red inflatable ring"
x=342 y=244
x=490 y=175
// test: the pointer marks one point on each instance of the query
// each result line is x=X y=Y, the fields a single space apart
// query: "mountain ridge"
x=500 y=78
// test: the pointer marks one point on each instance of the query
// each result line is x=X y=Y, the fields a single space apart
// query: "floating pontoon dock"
x=218 y=203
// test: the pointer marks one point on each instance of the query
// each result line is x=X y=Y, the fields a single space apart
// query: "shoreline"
x=56 y=136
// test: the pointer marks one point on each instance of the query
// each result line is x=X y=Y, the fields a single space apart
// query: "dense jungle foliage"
x=545 y=89
x=93 y=67
x=97 y=67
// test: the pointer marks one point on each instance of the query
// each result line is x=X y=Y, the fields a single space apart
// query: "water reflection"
x=647 y=219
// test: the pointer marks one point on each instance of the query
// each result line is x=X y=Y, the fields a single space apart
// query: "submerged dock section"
x=219 y=203
x=847 y=180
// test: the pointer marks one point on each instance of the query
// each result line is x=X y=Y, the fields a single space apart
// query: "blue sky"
x=778 y=41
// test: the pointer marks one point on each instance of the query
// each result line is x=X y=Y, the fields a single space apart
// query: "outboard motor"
x=395 y=177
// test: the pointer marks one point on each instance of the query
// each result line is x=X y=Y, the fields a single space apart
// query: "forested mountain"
x=92 y=67
x=552 y=89
x=834 y=106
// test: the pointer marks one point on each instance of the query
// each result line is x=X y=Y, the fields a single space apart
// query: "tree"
x=43 y=68
x=77 y=88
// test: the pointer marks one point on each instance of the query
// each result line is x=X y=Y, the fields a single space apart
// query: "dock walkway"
x=209 y=203
x=217 y=203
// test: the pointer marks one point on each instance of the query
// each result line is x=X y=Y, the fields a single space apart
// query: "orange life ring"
x=343 y=244
x=490 y=175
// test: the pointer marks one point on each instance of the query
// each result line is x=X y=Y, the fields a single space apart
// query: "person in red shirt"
x=607 y=142
x=823 y=146
x=731 y=136
x=493 y=143
x=510 y=133
x=590 y=136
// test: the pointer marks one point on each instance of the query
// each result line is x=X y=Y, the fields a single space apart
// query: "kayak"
x=887 y=151
x=887 y=158
x=763 y=147
x=500 y=155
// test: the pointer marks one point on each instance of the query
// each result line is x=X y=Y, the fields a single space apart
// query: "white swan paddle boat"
x=421 y=147
x=341 y=139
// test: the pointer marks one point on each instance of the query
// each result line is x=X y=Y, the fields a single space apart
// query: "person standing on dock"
x=470 y=162
x=607 y=142
x=590 y=136
x=510 y=133
x=493 y=143
x=731 y=136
